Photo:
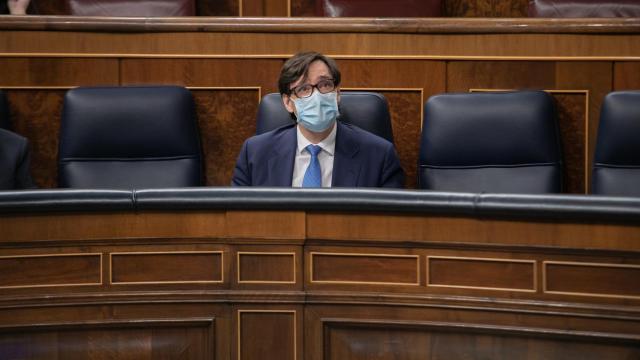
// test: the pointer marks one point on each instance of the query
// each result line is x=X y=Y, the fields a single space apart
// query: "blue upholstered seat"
x=616 y=169
x=502 y=142
x=129 y=137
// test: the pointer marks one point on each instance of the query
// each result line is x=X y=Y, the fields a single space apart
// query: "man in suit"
x=14 y=162
x=317 y=150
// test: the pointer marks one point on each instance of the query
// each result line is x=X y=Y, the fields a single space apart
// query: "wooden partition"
x=229 y=63
x=302 y=284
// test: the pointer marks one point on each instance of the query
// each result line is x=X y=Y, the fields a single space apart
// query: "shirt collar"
x=328 y=144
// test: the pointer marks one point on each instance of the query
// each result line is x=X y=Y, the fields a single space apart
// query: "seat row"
x=504 y=142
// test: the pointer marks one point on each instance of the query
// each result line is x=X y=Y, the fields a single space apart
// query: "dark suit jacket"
x=361 y=159
x=14 y=162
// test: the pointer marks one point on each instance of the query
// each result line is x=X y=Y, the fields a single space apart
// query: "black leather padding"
x=499 y=142
x=509 y=206
x=616 y=169
x=5 y=119
x=129 y=137
x=366 y=110
x=63 y=200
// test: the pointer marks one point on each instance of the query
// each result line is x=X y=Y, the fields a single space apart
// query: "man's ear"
x=338 y=95
x=288 y=103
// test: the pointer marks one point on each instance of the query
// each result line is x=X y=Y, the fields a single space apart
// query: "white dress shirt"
x=325 y=157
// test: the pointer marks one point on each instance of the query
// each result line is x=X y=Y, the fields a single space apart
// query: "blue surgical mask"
x=317 y=112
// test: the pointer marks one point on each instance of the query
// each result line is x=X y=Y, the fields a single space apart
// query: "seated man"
x=317 y=150
x=14 y=162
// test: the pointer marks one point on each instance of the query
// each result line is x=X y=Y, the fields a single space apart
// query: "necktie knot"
x=314 y=150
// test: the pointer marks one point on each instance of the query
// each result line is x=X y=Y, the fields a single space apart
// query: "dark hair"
x=298 y=65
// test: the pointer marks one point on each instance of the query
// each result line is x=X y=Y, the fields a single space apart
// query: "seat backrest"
x=132 y=7
x=584 y=8
x=366 y=110
x=501 y=142
x=5 y=121
x=379 y=8
x=129 y=137
x=616 y=168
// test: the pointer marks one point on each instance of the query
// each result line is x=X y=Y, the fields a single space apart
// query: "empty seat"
x=379 y=8
x=129 y=137
x=366 y=110
x=616 y=169
x=503 y=142
x=132 y=7
x=584 y=8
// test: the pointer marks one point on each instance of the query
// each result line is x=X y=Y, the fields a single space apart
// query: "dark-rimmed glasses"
x=305 y=90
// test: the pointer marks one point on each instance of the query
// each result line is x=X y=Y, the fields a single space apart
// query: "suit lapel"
x=280 y=163
x=347 y=163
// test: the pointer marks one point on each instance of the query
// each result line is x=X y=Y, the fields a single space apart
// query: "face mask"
x=318 y=111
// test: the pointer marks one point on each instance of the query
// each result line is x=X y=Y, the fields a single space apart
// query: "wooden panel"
x=35 y=114
x=278 y=8
x=595 y=279
x=413 y=340
x=485 y=8
x=626 y=75
x=50 y=270
x=239 y=72
x=477 y=273
x=597 y=78
x=167 y=267
x=573 y=112
x=58 y=72
x=452 y=230
x=108 y=226
x=226 y=118
x=146 y=339
x=383 y=269
x=266 y=267
x=218 y=8
x=267 y=334
x=266 y=224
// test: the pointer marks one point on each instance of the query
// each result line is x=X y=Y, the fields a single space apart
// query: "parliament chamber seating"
x=129 y=137
x=379 y=8
x=584 y=8
x=616 y=168
x=132 y=8
x=366 y=110
x=501 y=142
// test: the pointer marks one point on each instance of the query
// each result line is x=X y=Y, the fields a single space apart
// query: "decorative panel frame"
x=133 y=253
x=534 y=287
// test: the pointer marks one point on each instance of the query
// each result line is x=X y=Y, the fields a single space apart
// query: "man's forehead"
x=314 y=73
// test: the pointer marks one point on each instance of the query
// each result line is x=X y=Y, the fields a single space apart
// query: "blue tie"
x=313 y=175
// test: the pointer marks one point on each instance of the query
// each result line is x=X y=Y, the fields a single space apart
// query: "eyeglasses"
x=305 y=90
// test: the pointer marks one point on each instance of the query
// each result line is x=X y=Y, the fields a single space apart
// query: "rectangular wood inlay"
x=480 y=273
x=167 y=267
x=267 y=334
x=592 y=279
x=263 y=267
x=50 y=270
x=384 y=269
